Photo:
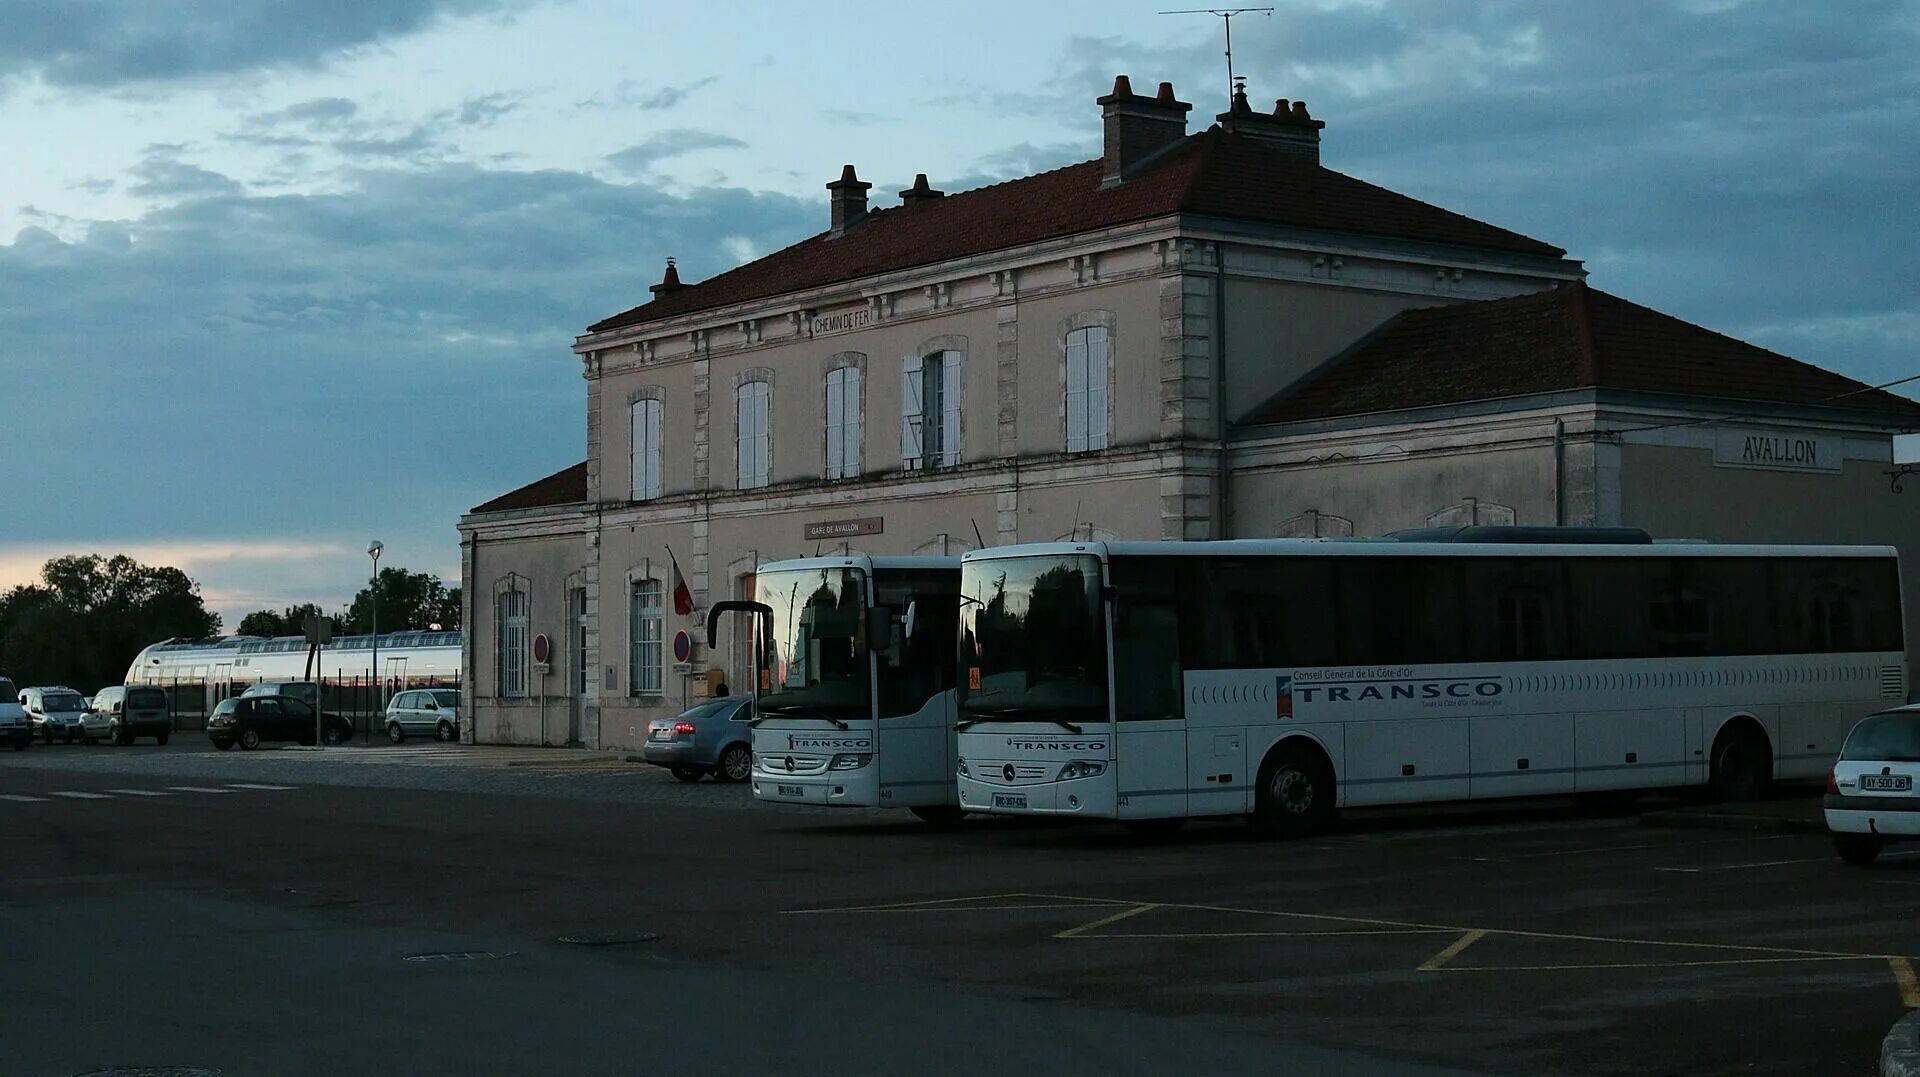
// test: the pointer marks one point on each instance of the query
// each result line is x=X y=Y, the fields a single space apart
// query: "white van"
x=15 y=728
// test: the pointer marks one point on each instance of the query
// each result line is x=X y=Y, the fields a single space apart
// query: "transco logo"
x=1358 y=692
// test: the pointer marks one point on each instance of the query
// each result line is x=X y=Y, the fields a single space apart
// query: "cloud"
x=108 y=44
x=321 y=112
x=163 y=176
x=486 y=110
x=371 y=361
x=638 y=159
x=631 y=95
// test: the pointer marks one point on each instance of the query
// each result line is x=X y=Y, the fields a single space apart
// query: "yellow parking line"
x=1909 y=987
x=1455 y=949
x=1123 y=914
x=1245 y=934
x=1664 y=964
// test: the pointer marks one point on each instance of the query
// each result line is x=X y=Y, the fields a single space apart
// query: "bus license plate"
x=1886 y=783
x=1009 y=800
x=790 y=790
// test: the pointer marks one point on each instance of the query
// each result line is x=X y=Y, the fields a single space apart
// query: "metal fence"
x=353 y=698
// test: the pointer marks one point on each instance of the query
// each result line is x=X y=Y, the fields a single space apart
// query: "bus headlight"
x=1081 y=768
x=850 y=761
x=963 y=769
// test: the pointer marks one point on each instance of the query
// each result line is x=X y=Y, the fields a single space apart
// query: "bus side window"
x=1516 y=609
x=1146 y=662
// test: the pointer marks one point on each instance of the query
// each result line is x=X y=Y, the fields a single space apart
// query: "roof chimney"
x=920 y=192
x=1289 y=127
x=849 y=201
x=669 y=284
x=1137 y=127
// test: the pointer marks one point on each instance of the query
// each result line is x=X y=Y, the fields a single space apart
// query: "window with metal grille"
x=644 y=613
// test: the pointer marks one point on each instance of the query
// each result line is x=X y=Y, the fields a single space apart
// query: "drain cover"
x=150 y=1071
x=458 y=955
x=609 y=938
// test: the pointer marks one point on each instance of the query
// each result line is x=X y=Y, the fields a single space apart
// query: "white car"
x=1870 y=797
x=431 y=712
x=58 y=712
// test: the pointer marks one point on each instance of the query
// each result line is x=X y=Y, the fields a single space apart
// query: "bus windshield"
x=1033 y=645
x=817 y=663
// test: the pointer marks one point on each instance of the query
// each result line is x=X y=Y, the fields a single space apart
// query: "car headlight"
x=961 y=767
x=1081 y=768
x=850 y=761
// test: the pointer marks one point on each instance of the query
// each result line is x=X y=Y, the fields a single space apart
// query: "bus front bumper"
x=841 y=788
x=1091 y=798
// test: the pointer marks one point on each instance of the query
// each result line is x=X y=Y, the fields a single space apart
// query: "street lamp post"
x=373 y=603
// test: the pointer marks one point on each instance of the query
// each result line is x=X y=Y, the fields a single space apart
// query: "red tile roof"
x=1214 y=173
x=1571 y=337
x=564 y=487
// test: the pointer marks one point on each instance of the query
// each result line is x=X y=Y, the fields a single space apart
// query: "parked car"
x=133 y=711
x=15 y=727
x=59 y=713
x=250 y=722
x=709 y=738
x=305 y=691
x=423 y=711
x=1870 y=797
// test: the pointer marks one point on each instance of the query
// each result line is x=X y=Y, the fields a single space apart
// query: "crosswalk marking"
x=251 y=785
x=139 y=793
x=83 y=796
x=17 y=798
x=172 y=790
x=197 y=789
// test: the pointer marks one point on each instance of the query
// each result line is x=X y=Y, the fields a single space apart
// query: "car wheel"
x=116 y=735
x=395 y=733
x=223 y=745
x=444 y=731
x=19 y=745
x=46 y=735
x=249 y=739
x=736 y=764
x=159 y=738
x=331 y=734
x=1858 y=848
x=688 y=774
x=1295 y=793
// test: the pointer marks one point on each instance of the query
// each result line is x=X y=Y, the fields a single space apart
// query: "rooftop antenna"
x=1226 y=17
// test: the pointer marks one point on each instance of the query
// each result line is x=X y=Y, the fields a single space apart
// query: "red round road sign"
x=682 y=646
x=542 y=648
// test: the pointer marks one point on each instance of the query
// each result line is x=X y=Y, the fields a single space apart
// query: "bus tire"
x=1295 y=793
x=1741 y=765
x=937 y=815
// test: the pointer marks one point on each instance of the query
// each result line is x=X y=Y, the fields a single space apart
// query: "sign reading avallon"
x=833 y=529
x=841 y=321
x=1776 y=450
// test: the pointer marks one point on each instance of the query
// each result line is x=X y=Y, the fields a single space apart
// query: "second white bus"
x=1281 y=679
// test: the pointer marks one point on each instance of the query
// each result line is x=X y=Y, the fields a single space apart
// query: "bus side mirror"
x=907 y=622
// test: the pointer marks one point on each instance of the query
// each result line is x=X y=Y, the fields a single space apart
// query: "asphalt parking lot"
x=1536 y=940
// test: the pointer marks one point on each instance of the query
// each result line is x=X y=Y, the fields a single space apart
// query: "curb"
x=1900 y=1051
x=1687 y=819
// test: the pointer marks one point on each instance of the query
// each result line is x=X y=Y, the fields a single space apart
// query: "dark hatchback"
x=251 y=721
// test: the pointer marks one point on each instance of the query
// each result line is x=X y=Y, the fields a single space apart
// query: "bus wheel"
x=937 y=815
x=1741 y=765
x=1295 y=793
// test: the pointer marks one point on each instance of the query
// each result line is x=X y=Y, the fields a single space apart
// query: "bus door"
x=1151 y=750
x=914 y=671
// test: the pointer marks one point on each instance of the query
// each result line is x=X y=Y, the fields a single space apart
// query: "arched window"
x=510 y=643
x=753 y=442
x=843 y=422
x=1086 y=389
x=646 y=449
x=645 y=614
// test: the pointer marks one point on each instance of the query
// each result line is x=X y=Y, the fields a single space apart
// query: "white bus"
x=853 y=681
x=1281 y=679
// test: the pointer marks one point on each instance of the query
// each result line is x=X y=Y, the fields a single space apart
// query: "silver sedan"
x=708 y=738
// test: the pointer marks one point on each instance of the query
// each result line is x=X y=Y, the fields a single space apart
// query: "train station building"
x=1200 y=334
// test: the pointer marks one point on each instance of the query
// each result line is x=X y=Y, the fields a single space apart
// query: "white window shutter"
x=949 y=408
x=1076 y=391
x=637 y=433
x=1097 y=388
x=836 y=418
x=850 y=422
x=911 y=415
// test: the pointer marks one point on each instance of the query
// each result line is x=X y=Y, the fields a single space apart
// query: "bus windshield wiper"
x=998 y=713
x=793 y=712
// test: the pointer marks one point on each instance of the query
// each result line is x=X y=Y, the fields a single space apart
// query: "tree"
x=409 y=601
x=82 y=624
x=291 y=621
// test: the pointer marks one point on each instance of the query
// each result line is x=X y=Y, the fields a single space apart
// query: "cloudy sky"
x=277 y=278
